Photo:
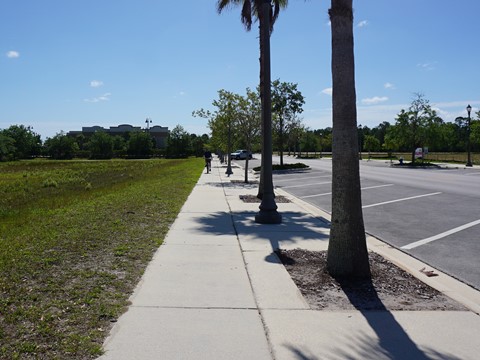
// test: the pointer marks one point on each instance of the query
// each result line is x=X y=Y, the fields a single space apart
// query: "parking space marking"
x=300 y=179
x=296 y=186
x=397 y=200
x=439 y=236
x=329 y=193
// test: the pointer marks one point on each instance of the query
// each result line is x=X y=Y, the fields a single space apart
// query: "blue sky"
x=65 y=64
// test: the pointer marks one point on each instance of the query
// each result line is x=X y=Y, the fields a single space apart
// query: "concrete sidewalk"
x=216 y=290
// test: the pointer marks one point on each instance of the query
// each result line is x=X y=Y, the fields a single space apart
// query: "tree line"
x=21 y=142
x=239 y=115
x=417 y=126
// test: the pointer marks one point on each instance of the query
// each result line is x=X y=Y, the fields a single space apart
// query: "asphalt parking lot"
x=432 y=214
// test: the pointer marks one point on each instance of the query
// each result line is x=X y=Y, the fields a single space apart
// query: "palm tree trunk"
x=268 y=208
x=347 y=249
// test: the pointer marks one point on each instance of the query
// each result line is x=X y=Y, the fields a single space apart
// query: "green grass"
x=75 y=237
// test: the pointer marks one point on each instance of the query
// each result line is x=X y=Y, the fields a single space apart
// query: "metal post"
x=229 y=159
x=469 y=159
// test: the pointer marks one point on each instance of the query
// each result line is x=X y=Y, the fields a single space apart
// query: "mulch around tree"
x=254 y=199
x=390 y=288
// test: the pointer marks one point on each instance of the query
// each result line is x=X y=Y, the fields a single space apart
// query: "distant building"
x=159 y=133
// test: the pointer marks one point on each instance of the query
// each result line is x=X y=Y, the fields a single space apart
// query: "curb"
x=444 y=283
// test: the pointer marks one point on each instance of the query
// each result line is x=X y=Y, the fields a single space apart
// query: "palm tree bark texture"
x=347 y=249
x=266 y=11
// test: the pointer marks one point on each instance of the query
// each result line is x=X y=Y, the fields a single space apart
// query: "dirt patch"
x=254 y=199
x=250 y=182
x=391 y=288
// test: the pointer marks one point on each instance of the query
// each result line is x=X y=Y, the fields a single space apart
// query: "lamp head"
x=469 y=109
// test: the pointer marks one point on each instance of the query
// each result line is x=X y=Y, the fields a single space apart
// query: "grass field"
x=75 y=237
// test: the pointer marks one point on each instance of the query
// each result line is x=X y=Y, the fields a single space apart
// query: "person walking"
x=208 y=160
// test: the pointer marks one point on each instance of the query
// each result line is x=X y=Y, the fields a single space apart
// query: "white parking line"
x=404 y=199
x=439 y=236
x=300 y=179
x=376 y=186
x=296 y=186
x=310 y=196
x=329 y=193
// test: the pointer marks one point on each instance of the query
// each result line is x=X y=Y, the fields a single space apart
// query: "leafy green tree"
x=7 y=148
x=389 y=143
x=475 y=135
x=100 y=146
x=61 y=147
x=119 y=146
x=199 y=144
x=223 y=121
x=347 y=249
x=248 y=121
x=178 y=143
x=287 y=102
x=414 y=127
x=325 y=136
x=310 y=142
x=140 y=145
x=296 y=131
x=27 y=143
x=380 y=131
x=371 y=143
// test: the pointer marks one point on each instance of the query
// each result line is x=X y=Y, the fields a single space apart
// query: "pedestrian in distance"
x=208 y=160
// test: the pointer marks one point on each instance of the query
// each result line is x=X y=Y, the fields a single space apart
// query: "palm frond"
x=222 y=4
x=251 y=8
x=277 y=6
x=246 y=16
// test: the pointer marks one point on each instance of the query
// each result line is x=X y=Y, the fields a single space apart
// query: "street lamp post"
x=229 y=146
x=469 y=159
x=148 y=121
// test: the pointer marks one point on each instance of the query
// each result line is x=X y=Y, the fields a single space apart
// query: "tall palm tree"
x=347 y=249
x=266 y=11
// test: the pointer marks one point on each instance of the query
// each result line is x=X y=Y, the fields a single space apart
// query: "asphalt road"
x=432 y=214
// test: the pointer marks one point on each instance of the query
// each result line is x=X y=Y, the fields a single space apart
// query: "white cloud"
x=374 y=100
x=96 y=83
x=327 y=91
x=390 y=86
x=428 y=66
x=12 y=54
x=104 y=97
x=362 y=23
x=183 y=93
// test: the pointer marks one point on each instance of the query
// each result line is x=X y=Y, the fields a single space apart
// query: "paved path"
x=216 y=290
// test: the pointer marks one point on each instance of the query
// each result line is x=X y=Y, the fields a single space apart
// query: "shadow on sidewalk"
x=296 y=228
x=393 y=341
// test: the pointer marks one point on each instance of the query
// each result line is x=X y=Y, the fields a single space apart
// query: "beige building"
x=159 y=133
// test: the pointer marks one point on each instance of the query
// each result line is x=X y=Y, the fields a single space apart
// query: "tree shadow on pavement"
x=296 y=229
x=362 y=346
x=393 y=340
